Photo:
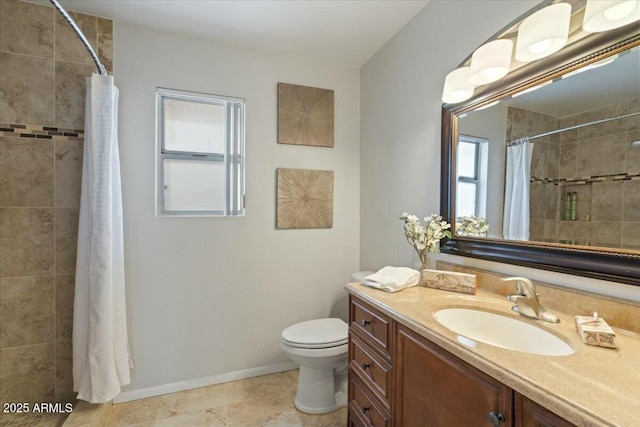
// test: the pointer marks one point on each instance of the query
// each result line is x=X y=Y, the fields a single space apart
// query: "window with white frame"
x=471 y=171
x=200 y=161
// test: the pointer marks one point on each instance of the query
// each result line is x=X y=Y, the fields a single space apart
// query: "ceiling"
x=347 y=32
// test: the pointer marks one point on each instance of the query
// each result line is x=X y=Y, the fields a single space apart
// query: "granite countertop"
x=593 y=387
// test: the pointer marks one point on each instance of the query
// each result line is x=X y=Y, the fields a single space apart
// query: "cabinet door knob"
x=365 y=322
x=365 y=366
x=365 y=409
x=496 y=419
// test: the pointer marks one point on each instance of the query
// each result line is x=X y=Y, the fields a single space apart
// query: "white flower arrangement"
x=472 y=226
x=425 y=238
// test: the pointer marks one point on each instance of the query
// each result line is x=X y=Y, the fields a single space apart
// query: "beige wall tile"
x=631 y=205
x=599 y=233
x=551 y=201
x=26 y=311
x=71 y=87
x=28 y=85
x=568 y=167
x=536 y=229
x=68 y=46
x=631 y=235
x=66 y=237
x=26 y=241
x=105 y=26
x=537 y=198
x=518 y=124
x=26 y=172
x=105 y=51
x=632 y=158
x=569 y=135
x=550 y=230
x=606 y=202
x=65 y=286
x=68 y=174
x=601 y=155
x=566 y=231
x=27 y=374
x=602 y=129
x=539 y=158
x=64 y=376
x=553 y=160
x=26 y=28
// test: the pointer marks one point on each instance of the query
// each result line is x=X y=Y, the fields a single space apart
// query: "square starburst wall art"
x=305 y=115
x=305 y=198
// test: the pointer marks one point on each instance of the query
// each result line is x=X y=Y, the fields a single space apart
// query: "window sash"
x=233 y=156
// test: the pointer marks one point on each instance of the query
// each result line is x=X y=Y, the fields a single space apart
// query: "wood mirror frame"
x=597 y=262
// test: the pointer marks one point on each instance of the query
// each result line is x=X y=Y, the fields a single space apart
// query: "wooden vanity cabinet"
x=399 y=378
x=434 y=388
x=370 y=366
x=530 y=414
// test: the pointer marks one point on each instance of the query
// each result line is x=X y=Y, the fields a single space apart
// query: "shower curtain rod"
x=101 y=69
x=540 y=135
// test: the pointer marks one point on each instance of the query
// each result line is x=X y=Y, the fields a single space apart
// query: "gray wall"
x=401 y=88
x=209 y=297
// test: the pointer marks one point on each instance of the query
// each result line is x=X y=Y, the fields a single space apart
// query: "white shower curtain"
x=516 y=198
x=101 y=359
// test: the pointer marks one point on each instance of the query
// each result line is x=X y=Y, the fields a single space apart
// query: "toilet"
x=320 y=348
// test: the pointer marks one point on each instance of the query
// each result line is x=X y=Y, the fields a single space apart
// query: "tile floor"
x=254 y=402
x=32 y=420
x=259 y=401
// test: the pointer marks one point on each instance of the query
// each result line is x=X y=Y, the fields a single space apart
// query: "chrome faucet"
x=526 y=299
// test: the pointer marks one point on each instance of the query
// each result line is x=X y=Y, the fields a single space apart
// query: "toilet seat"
x=317 y=333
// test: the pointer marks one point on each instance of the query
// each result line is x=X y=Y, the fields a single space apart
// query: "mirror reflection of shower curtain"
x=516 y=199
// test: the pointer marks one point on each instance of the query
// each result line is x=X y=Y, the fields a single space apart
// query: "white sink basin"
x=502 y=331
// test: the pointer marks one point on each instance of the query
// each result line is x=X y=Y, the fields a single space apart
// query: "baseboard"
x=127 y=396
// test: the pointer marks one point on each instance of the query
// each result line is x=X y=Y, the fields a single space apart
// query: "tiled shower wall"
x=597 y=162
x=43 y=67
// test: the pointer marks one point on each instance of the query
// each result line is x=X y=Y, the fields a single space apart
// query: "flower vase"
x=428 y=262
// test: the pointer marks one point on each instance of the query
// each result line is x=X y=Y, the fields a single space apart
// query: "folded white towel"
x=392 y=279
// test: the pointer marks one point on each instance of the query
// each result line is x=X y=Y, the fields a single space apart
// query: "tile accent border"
x=588 y=179
x=41 y=132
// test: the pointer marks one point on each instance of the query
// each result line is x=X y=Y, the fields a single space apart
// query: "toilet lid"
x=318 y=333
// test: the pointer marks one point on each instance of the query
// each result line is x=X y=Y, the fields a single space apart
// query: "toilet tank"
x=360 y=275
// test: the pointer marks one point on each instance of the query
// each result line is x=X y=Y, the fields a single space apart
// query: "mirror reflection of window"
x=471 y=168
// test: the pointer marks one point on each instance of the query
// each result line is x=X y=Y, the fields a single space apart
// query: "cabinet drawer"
x=372 y=326
x=364 y=408
x=375 y=372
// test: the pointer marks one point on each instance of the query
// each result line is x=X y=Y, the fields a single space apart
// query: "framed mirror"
x=542 y=167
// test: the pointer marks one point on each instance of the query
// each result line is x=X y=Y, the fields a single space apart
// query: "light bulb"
x=605 y=15
x=540 y=46
x=619 y=11
x=457 y=87
x=543 y=33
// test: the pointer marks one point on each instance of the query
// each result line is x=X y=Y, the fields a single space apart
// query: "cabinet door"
x=433 y=388
x=530 y=414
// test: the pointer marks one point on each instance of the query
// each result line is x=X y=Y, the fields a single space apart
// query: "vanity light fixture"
x=543 y=33
x=457 y=87
x=491 y=104
x=605 y=15
x=490 y=62
x=531 y=89
x=597 y=64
